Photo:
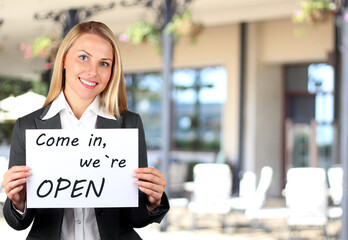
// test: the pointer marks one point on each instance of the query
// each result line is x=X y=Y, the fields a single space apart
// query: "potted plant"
x=314 y=11
x=141 y=32
x=182 y=25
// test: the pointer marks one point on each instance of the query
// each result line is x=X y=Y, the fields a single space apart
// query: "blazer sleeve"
x=17 y=158
x=141 y=216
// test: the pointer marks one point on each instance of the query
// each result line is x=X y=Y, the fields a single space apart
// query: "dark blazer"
x=113 y=223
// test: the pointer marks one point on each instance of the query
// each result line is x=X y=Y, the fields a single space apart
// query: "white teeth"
x=88 y=83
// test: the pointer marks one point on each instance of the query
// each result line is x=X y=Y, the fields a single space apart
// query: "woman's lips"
x=88 y=83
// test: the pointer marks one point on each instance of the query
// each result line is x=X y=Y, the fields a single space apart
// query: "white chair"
x=212 y=188
x=177 y=177
x=247 y=185
x=253 y=201
x=335 y=177
x=306 y=194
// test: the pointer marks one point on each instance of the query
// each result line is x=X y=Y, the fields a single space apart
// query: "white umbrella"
x=12 y=108
x=7 y=103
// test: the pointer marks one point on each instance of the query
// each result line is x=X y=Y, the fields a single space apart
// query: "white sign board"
x=82 y=168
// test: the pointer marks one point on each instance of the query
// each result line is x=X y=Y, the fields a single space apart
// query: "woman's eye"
x=83 y=57
x=104 y=64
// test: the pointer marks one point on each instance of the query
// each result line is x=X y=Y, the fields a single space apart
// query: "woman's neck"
x=78 y=109
x=78 y=106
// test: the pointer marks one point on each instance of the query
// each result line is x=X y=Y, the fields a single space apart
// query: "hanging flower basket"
x=184 y=26
x=314 y=11
x=141 y=32
x=181 y=26
x=318 y=15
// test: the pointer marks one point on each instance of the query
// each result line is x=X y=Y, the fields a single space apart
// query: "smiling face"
x=88 y=67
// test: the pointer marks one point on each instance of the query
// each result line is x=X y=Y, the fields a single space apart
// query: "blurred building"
x=289 y=92
x=287 y=70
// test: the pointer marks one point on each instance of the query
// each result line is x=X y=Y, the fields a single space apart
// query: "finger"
x=15 y=176
x=150 y=186
x=150 y=174
x=17 y=195
x=152 y=195
x=14 y=193
x=152 y=200
x=14 y=184
x=150 y=178
x=150 y=170
x=18 y=169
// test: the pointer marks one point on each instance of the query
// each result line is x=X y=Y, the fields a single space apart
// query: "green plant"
x=182 y=25
x=141 y=32
x=15 y=87
x=43 y=47
x=313 y=11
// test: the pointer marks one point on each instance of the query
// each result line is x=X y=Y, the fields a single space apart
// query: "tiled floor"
x=208 y=228
x=238 y=227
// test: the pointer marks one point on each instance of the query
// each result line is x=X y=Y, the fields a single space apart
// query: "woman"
x=87 y=91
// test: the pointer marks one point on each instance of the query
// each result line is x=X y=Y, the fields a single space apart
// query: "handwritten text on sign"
x=82 y=168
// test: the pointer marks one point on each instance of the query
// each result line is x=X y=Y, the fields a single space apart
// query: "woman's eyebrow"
x=89 y=54
x=107 y=59
x=85 y=52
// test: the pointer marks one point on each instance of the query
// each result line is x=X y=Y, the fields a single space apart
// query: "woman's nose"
x=92 y=69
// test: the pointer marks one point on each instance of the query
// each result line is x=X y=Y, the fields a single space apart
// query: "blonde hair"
x=113 y=97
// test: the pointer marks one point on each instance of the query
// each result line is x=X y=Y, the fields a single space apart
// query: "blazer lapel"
x=52 y=123
x=108 y=123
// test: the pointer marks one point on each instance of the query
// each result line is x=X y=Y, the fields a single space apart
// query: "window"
x=199 y=95
x=144 y=93
x=310 y=110
x=321 y=83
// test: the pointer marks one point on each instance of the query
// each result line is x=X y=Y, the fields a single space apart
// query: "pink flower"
x=47 y=66
x=346 y=17
x=297 y=12
x=27 y=52
x=22 y=46
x=124 y=37
x=56 y=42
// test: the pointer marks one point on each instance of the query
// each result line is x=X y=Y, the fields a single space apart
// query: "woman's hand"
x=151 y=182
x=14 y=185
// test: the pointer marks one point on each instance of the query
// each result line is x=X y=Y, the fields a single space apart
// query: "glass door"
x=309 y=116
